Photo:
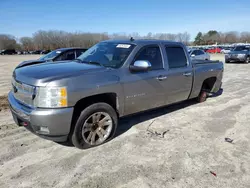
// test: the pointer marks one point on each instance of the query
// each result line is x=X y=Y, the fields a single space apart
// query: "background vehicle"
x=80 y=101
x=8 y=52
x=198 y=54
x=226 y=50
x=37 y=52
x=214 y=50
x=238 y=54
x=45 y=51
x=57 y=55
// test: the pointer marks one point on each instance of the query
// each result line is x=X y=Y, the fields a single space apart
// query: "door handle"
x=187 y=74
x=160 y=78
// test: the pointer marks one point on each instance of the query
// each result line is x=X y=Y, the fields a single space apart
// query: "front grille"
x=23 y=93
x=234 y=55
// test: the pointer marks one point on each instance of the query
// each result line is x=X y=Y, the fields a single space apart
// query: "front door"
x=145 y=90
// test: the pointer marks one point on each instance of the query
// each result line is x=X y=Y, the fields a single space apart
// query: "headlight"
x=51 y=97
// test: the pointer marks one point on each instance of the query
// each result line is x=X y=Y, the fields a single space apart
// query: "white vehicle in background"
x=198 y=54
x=226 y=50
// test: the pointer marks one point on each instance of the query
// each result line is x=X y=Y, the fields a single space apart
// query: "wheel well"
x=208 y=84
x=109 y=98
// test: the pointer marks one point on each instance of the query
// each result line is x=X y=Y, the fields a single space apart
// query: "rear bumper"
x=51 y=124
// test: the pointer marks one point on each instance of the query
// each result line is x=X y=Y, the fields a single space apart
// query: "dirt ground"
x=178 y=146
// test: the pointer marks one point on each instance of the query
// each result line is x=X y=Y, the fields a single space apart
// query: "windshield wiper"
x=79 y=60
x=93 y=63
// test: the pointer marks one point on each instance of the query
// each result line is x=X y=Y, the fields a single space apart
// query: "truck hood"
x=30 y=62
x=41 y=74
x=238 y=52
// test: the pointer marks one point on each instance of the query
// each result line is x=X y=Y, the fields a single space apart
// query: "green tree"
x=198 y=39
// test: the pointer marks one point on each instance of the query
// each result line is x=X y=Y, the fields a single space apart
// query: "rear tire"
x=202 y=97
x=96 y=125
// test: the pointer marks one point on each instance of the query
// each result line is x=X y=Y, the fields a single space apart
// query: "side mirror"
x=140 y=66
x=192 y=55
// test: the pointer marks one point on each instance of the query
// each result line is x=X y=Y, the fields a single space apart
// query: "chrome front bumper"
x=51 y=124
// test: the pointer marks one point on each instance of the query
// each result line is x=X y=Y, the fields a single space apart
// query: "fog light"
x=44 y=129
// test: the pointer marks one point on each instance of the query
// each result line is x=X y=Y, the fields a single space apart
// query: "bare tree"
x=231 y=37
x=27 y=43
x=7 y=41
x=245 y=37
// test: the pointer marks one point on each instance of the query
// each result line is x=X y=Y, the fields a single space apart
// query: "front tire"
x=96 y=125
x=248 y=59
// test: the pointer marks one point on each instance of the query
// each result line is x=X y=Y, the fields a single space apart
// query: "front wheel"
x=96 y=125
x=248 y=59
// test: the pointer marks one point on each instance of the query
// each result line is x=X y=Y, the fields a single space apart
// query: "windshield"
x=108 y=54
x=241 y=48
x=50 y=55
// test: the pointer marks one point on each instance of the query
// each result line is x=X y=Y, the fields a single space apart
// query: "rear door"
x=179 y=76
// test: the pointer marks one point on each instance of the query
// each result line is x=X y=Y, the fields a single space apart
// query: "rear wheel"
x=202 y=97
x=96 y=125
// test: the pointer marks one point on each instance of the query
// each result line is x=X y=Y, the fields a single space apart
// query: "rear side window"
x=176 y=57
x=153 y=55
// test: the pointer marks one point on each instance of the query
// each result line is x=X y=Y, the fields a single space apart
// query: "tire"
x=96 y=119
x=247 y=60
x=202 y=97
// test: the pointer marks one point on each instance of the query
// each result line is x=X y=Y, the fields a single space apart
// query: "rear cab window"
x=176 y=57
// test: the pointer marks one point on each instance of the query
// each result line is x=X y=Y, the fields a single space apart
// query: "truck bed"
x=195 y=62
x=204 y=69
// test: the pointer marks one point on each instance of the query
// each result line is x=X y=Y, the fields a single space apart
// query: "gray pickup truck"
x=80 y=101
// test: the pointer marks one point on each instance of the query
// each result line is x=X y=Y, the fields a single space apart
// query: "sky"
x=24 y=17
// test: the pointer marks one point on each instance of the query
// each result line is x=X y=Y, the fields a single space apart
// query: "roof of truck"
x=72 y=48
x=142 y=41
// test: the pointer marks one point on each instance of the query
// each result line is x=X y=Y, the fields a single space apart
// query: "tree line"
x=53 y=39
x=213 y=37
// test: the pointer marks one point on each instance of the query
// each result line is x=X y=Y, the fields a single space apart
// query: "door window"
x=176 y=57
x=153 y=55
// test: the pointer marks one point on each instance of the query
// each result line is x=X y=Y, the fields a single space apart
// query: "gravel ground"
x=178 y=146
x=7 y=65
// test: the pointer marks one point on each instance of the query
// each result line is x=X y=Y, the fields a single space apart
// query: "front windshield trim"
x=108 y=54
